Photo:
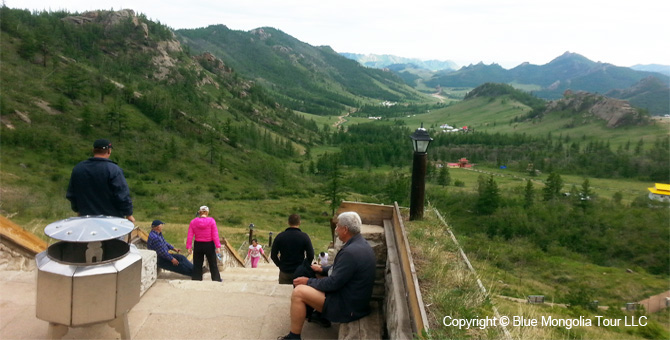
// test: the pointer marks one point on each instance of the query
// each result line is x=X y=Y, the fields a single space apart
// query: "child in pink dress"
x=254 y=253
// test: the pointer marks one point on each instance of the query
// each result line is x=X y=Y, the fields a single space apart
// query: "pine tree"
x=553 y=187
x=489 y=196
x=584 y=195
x=529 y=195
x=444 y=178
x=333 y=188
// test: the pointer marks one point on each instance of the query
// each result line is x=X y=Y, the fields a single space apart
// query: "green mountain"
x=615 y=112
x=470 y=76
x=187 y=130
x=302 y=77
x=649 y=93
x=569 y=71
x=664 y=69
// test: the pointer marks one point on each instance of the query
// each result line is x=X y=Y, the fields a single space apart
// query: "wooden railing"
x=403 y=305
x=411 y=282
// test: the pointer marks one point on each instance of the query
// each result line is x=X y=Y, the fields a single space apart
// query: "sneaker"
x=289 y=336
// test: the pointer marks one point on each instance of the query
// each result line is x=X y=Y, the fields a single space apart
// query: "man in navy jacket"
x=344 y=294
x=98 y=187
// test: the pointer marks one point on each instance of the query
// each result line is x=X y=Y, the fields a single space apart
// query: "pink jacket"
x=204 y=230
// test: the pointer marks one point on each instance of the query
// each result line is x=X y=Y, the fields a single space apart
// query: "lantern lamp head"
x=420 y=140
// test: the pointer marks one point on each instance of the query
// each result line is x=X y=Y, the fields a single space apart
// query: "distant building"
x=660 y=192
x=464 y=163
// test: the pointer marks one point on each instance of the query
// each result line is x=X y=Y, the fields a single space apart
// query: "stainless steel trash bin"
x=90 y=276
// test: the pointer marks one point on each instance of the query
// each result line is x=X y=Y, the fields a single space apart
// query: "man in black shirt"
x=291 y=249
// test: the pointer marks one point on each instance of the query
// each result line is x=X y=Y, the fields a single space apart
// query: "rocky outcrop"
x=162 y=50
x=260 y=33
x=164 y=60
x=614 y=111
x=212 y=63
x=109 y=19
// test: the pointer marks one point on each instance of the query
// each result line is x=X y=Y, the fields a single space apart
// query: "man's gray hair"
x=351 y=220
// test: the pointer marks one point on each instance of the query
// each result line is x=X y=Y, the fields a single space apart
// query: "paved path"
x=249 y=304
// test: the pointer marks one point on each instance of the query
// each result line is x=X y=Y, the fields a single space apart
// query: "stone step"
x=170 y=309
x=252 y=271
x=230 y=286
x=262 y=277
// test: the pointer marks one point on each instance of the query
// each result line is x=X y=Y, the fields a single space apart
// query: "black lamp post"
x=251 y=232
x=420 y=140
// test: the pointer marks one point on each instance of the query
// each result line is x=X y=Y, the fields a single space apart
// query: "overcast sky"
x=507 y=32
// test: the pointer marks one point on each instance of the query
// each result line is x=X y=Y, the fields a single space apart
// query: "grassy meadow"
x=495 y=116
x=604 y=188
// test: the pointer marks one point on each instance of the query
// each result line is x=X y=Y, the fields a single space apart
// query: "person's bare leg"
x=302 y=295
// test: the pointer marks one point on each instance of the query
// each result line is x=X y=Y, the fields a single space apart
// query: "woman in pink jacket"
x=203 y=230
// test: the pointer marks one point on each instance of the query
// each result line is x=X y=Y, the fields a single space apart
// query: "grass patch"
x=449 y=289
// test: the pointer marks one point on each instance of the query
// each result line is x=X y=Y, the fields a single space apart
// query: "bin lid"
x=89 y=228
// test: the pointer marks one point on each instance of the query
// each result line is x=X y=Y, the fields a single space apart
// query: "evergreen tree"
x=333 y=191
x=585 y=195
x=85 y=127
x=639 y=146
x=489 y=195
x=552 y=189
x=397 y=187
x=212 y=146
x=529 y=195
x=444 y=178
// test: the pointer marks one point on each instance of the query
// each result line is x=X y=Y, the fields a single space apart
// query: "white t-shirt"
x=255 y=251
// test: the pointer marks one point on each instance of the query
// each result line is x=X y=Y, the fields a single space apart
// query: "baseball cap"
x=204 y=208
x=156 y=223
x=102 y=144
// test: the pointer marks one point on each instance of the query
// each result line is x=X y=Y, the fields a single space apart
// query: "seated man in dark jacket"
x=173 y=262
x=344 y=294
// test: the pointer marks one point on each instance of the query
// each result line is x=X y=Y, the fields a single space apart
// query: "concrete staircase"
x=248 y=304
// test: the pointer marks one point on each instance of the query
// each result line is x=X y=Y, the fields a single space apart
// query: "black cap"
x=156 y=223
x=102 y=144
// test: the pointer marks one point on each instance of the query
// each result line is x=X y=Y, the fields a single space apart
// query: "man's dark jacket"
x=348 y=287
x=292 y=248
x=98 y=187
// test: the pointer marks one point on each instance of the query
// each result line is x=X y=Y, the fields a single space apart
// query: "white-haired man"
x=344 y=294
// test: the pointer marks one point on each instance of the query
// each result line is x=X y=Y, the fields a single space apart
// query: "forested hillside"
x=310 y=79
x=70 y=78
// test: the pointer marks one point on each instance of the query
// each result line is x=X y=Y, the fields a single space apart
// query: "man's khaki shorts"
x=285 y=278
